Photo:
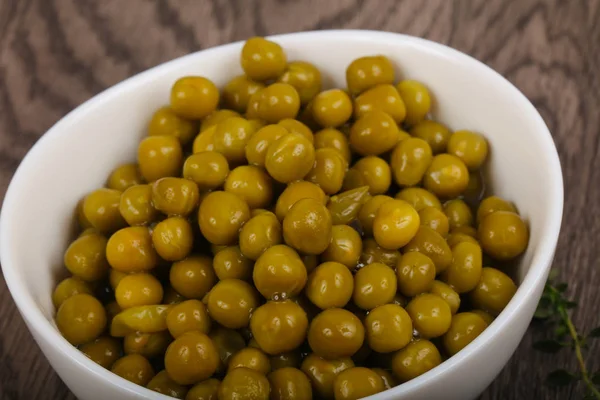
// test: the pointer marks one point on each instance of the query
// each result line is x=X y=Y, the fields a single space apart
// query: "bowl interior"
x=78 y=153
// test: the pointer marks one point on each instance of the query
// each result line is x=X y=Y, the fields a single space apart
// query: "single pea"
x=262 y=59
x=138 y=290
x=175 y=196
x=165 y=122
x=279 y=326
x=415 y=273
x=230 y=263
x=431 y=315
x=429 y=242
x=458 y=212
x=470 y=147
x=370 y=171
x=173 y=238
x=159 y=157
x=278 y=101
x=330 y=285
x=447 y=176
x=207 y=169
x=415 y=359
x=344 y=206
x=81 y=319
x=307 y=227
x=389 y=328
x=465 y=328
x=345 y=246
x=419 y=198
x=304 y=77
x=193 y=277
x=373 y=253
x=191 y=358
x=101 y=209
x=297 y=191
x=410 y=160
x=435 y=219
x=250 y=358
x=357 y=383
x=85 y=257
x=382 y=97
x=239 y=383
x=205 y=390
x=290 y=158
x=396 y=224
x=124 y=176
x=332 y=108
x=82 y=220
x=69 y=287
x=251 y=184
x=259 y=234
x=256 y=149
x=103 y=351
x=279 y=273
x=435 y=134
x=237 y=92
x=447 y=293
x=221 y=216
x=503 y=235
x=493 y=291
x=492 y=204
x=231 y=137
x=205 y=141
x=335 y=333
x=333 y=138
x=136 y=206
x=329 y=170
x=374 y=285
x=374 y=133
x=131 y=250
x=231 y=302
x=135 y=368
x=290 y=384
x=163 y=384
x=194 y=97
x=366 y=72
x=464 y=272
x=189 y=315
x=149 y=345
x=417 y=99
x=322 y=373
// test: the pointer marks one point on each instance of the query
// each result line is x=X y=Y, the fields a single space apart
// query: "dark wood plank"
x=55 y=54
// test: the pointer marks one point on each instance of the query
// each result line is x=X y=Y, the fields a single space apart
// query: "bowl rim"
x=535 y=277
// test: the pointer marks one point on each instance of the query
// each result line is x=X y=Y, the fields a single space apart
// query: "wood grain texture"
x=55 y=54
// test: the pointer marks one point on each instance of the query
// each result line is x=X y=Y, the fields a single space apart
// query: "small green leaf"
x=560 y=377
x=595 y=332
x=547 y=346
x=561 y=331
x=561 y=287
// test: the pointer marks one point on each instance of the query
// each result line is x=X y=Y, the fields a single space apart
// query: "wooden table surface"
x=55 y=54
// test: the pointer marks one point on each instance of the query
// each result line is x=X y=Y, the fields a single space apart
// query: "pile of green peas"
x=277 y=240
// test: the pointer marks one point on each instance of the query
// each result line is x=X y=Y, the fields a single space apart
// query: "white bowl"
x=77 y=154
